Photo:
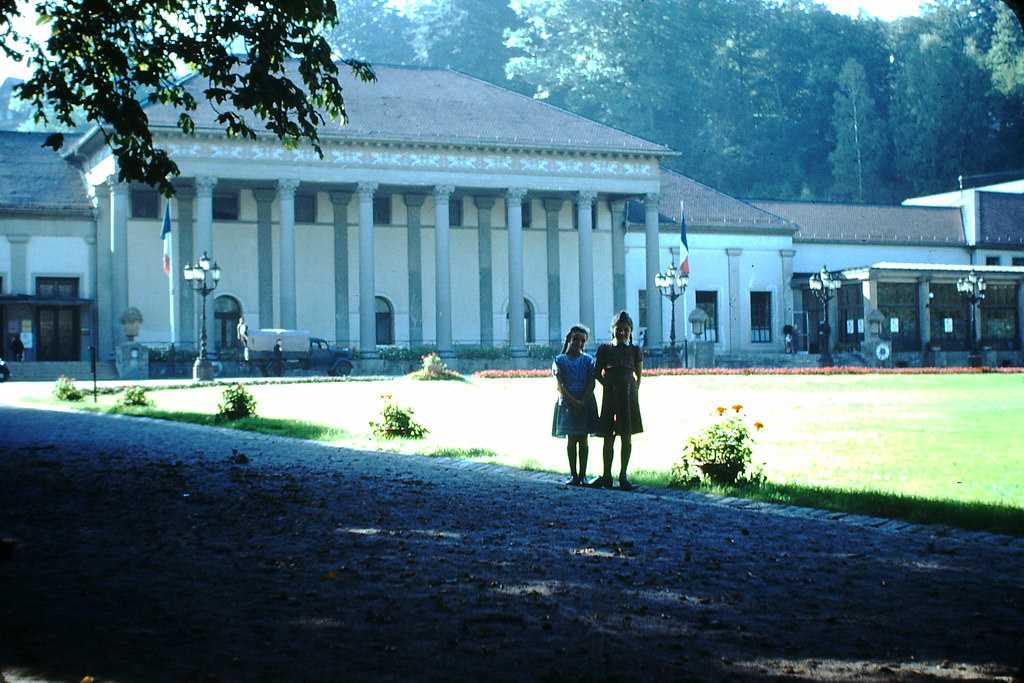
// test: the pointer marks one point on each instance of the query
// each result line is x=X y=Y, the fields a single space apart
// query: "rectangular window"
x=455 y=212
x=145 y=203
x=897 y=301
x=760 y=317
x=305 y=208
x=850 y=302
x=382 y=210
x=708 y=302
x=527 y=213
x=641 y=301
x=225 y=206
x=948 y=314
x=57 y=287
x=1017 y=260
x=998 y=317
x=992 y=260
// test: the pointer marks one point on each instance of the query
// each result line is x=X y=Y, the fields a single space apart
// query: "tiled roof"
x=1000 y=220
x=33 y=177
x=860 y=223
x=706 y=208
x=409 y=104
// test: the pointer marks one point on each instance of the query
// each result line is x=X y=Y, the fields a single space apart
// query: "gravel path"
x=153 y=551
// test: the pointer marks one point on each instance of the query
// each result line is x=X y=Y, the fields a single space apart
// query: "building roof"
x=439 y=106
x=869 y=223
x=36 y=178
x=1000 y=220
x=707 y=209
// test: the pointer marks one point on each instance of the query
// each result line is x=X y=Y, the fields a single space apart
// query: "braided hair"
x=578 y=327
x=623 y=319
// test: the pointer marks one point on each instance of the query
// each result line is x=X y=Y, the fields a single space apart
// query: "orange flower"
x=386 y=397
x=758 y=425
x=720 y=410
x=737 y=407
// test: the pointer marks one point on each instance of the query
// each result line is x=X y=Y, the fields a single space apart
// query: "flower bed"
x=656 y=372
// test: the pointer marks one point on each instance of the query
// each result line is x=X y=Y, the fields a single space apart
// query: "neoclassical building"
x=453 y=212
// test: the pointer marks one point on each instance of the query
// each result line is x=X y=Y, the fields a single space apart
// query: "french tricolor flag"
x=684 y=254
x=165 y=236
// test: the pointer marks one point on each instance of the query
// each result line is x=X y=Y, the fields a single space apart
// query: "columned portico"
x=516 y=332
x=367 y=284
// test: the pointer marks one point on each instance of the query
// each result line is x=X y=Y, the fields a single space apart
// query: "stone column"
x=118 y=258
x=367 y=284
x=18 y=277
x=619 y=255
x=652 y=243
x=204 y=215
x=104 y=306
x=340 y=202
x=514 y=218
x=414 y=247
x=1020 y=318
x=734 y=299
x=443 y=271
x=286 y=203
x=552 y=207
x=585 y=215
x=785 y=313
x=484 y=205
x=265 y=255
x=204 y=240
x=924 y=322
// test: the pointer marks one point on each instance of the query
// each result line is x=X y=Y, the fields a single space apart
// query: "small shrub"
x=434 y=368
x=721 y=452
x=237 y=404
x=133 y=396
x=396 y=422
x=65 y=390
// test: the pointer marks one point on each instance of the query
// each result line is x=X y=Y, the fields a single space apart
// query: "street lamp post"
x=672 y=284
x=203 y=278
x=972 y=288
x=824 y=286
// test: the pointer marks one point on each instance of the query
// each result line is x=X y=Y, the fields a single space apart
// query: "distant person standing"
x=17 y=348
x=242 y=332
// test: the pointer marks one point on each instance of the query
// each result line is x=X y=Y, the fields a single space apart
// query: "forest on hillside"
x=761 y=99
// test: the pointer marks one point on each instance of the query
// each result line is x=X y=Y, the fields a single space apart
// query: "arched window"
x=385 y=322
x=528 y=326
x=226 y=311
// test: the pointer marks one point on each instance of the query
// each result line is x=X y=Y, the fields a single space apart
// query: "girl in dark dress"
x=618 y=368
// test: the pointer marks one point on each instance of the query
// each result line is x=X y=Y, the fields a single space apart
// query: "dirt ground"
x=151 y=551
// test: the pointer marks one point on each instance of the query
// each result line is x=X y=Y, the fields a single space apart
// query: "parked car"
x=298 y=349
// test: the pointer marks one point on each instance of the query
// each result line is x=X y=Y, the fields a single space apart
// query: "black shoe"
x=573 y=481
x=602 y=482
x=625 y=485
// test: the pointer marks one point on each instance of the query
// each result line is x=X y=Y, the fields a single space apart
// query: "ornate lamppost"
x=672 y=284
x=972 y=288
x=824 y=286
x=203 y=278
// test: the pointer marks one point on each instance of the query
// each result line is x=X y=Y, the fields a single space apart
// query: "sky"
x=883 y=9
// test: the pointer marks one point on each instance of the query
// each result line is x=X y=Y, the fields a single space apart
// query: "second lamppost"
x=672 y=284
x=202 y=278
x=972 y=288
x=824 y=286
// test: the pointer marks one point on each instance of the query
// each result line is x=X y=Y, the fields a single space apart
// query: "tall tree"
x=856 y=159
x=108 y=58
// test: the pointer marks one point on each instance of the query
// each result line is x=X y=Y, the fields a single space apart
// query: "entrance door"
x=58 y=333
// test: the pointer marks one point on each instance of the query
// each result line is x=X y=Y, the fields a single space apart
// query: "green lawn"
x=941 y=437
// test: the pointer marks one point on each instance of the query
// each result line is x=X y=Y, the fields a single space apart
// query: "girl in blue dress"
x=576 y=408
